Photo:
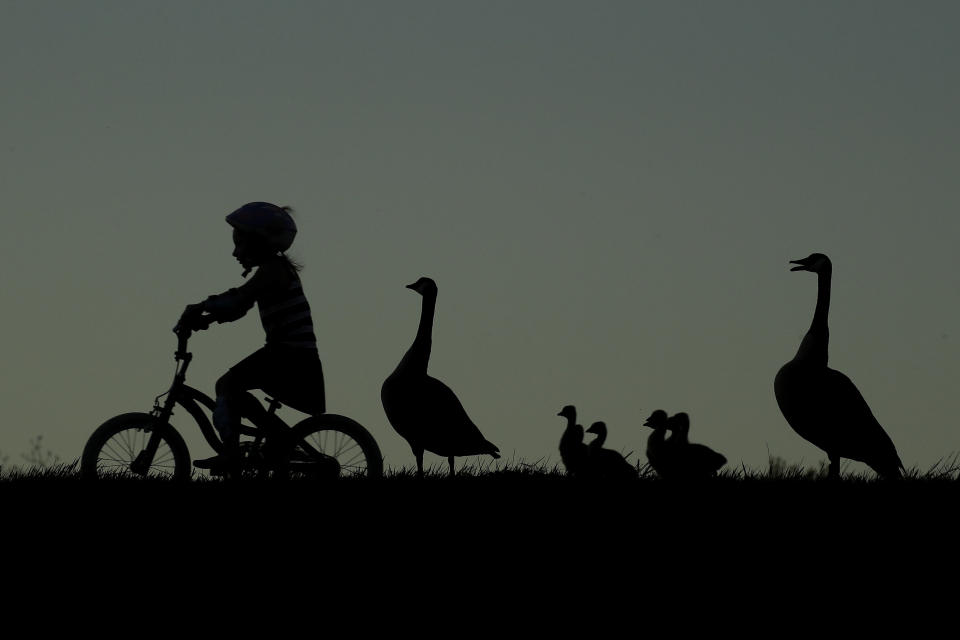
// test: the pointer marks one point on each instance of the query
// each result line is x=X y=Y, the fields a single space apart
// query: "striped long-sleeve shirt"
x=284 y=310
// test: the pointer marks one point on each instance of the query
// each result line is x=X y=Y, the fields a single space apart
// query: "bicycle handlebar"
x=188 y=323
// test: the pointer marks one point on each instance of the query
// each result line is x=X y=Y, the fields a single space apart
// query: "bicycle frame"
x=266 y=421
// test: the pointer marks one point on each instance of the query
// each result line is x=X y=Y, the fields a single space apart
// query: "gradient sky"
x=607 y=194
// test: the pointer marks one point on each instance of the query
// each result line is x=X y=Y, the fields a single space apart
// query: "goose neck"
x=823 y=300
x=418 y=355
x=814 y=348
x=425 y=329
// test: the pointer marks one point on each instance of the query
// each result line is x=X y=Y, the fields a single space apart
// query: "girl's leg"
x=297 y=380
x=226 y=414
x=290 y=375
x=232 y=388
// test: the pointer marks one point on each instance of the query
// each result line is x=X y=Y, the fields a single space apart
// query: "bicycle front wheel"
x=120 y=442
x=329 y=445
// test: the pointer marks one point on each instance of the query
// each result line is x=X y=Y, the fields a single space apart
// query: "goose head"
x=680 y=424
x=569 y=412
x=816 y=262
x=425 y=287
x=599 y=428
x=657 y=419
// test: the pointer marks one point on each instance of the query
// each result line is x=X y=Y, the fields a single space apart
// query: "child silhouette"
x=287 y=367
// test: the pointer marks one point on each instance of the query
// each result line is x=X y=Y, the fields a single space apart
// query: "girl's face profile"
x=246 y=250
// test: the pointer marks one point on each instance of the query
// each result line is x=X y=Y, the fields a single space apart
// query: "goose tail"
x=718 y=460
x=892 y=470
x=887 y=464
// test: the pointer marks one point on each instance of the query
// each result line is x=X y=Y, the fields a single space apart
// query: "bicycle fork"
x=141 y=465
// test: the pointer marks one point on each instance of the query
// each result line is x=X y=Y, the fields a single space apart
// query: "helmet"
x=268 y=221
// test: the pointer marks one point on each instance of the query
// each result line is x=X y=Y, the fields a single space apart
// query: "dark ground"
x=549 y=549
x=504 y=509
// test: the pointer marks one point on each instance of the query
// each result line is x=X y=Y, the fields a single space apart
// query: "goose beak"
x=801 y=267
x=412 y=285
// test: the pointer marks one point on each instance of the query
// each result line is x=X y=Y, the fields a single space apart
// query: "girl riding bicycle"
x=288 y=366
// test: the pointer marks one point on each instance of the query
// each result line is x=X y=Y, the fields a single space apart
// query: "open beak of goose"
x=801 y=265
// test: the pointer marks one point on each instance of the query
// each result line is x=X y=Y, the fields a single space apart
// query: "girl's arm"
x=234 y=303
x=229 y=305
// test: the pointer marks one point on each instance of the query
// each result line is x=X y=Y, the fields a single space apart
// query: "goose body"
x=573 y=451
x=676 y=457
x=606 y=463
x=822 y=404
x=422 y=409
x=659 y=450
x=690 y=460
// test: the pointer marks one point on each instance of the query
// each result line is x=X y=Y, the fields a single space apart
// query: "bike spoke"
x=112 y=451
x=350 y=462
x=121 y=450
x=311 y=456
x=324 y=443
x=343 y=452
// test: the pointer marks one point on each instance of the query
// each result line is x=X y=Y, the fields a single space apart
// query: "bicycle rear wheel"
x=116 y=444
x=328 y=446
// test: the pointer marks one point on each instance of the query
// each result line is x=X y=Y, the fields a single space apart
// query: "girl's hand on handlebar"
x=192 y=318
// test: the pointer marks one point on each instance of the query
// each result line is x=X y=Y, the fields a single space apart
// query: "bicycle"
x=146 y=445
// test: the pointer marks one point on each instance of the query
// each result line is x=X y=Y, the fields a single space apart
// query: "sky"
x=606 y=193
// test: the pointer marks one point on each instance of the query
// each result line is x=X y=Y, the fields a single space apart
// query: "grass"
x=517 y=487
x=505 y=518
x=778 y=471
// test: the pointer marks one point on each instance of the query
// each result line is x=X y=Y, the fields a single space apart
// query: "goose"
x=823 y=405
x=659 y=453
x=573 y=452
x=690 y=460
x=606 y=463
x=423 y=410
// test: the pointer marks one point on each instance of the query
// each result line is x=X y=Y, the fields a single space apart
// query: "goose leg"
x=834 y=473
x=450 y=462
x=418 y=454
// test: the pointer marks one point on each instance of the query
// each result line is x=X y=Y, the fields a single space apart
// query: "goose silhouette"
x=659 y=453
x=690 y=460
x=573 y=451
x=606 y=463
x=423 y=410
x=823 y=405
